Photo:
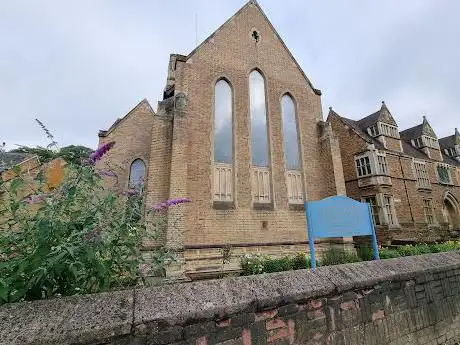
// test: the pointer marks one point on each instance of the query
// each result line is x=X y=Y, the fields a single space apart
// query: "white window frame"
x=388 y=130
x=377 y=206
x=360 y=159
x=382 y=164
x=428 y=205
x=430 y=142
x=373 y=130
x=421 y=175
x=389 y=210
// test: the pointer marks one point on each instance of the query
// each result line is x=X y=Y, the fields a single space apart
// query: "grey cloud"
x=80 y=65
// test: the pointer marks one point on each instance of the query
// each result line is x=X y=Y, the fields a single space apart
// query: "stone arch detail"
x=451 y=207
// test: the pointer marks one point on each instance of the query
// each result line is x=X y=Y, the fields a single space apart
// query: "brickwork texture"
x=412 y=300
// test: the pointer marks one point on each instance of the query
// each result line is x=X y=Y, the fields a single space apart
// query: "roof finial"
x=330 y=108
x=424 y=118
x=456 y=131
x=383 y=102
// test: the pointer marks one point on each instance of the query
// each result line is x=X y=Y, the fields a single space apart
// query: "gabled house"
x=412 y=186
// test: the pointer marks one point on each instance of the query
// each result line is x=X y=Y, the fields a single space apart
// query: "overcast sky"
x=78 y=65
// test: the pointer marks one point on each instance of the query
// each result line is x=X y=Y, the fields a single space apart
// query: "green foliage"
x=71 y=240
x=74 y=154
x=409 y=250
x=336 y=256
x=301 y=261
x=365 y=252
x=388 y=253
x=444 y=247
x=257 y=264
x=45 y=155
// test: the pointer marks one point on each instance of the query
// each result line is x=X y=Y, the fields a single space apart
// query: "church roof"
x=381 y=115
x=241 y=10
x=408 y=149
x=450 y=141
x=104 y=133
x=417 y=131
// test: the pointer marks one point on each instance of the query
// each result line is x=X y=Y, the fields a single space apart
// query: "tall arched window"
x=259 y=138
x=291 y=151
x=137 y=174
x=223 y=123
x=259 y=135
x=291 y=138
x=223 y=142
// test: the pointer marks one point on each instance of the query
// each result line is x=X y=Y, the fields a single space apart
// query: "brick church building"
x=240 y=131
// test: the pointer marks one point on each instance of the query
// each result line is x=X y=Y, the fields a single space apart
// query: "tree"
x=71 y=154
x=45 y=155
x=74 y=153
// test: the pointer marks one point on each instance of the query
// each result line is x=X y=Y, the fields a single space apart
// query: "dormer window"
x=389 y=130
x=451 y=151
x=418 y=142
x=425 y=141
x=373 y=130
x=431 y=142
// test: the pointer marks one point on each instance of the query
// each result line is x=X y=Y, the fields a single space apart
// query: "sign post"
x=338 y=216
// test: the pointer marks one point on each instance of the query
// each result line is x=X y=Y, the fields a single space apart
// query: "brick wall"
x=408 y=199
x=412 y=300
x=133 y=137
x=232 y=53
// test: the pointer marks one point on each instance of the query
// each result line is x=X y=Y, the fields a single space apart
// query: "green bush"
x=388 y=253
x=417 y=249
x=75 y=238
x=257 y=264
x=301 y=262
x=252 y=264
x=444 y=247
x=336 y=256
x=272 y=265
x=365 y=252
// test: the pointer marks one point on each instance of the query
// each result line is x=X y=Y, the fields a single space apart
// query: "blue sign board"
x=338 y=216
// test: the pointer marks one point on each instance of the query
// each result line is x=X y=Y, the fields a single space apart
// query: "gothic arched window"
x=223 y=144
x=290 y=135
x=137 y=174
x=258 y=112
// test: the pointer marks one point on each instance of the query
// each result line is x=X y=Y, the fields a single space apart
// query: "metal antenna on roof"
x=196 y=29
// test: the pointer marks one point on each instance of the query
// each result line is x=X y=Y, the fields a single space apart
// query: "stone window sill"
x=263 y=206
x=223 y=205
x=296 y=207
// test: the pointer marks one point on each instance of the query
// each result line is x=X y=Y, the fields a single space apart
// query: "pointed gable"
x=143 y=105
x=450 y=141
x=381 y=115
x=250 y=13
x=417 y=131
x=427 y=129
x=355 y=127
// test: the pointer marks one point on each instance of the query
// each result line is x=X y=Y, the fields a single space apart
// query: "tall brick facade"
x=400 y=174
x=253 y=208
x=177 y=145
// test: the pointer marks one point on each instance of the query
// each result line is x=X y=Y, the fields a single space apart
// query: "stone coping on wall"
x=100 y=318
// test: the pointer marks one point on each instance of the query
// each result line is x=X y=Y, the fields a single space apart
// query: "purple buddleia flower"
x=129 y=192
x=101 y=151
x=164 y=205
x=35 y=199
